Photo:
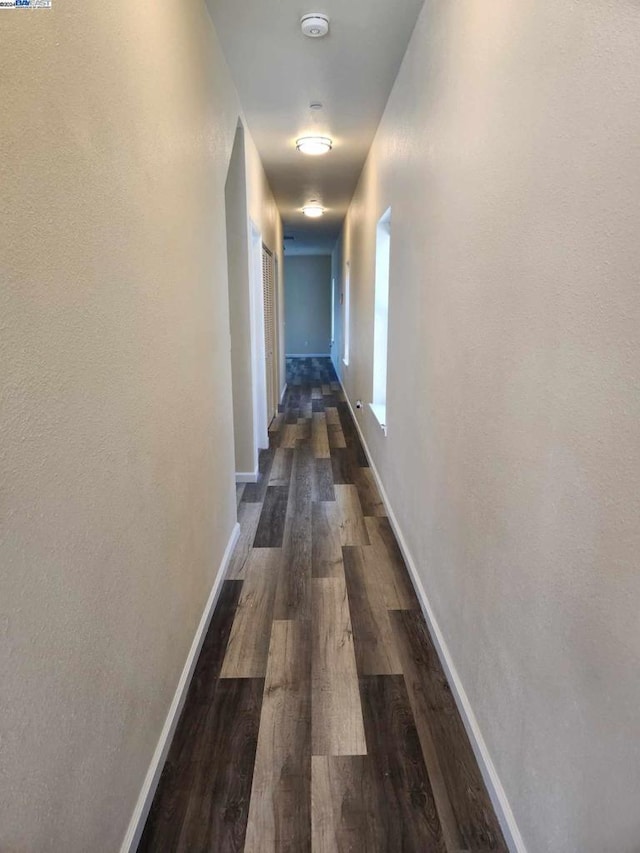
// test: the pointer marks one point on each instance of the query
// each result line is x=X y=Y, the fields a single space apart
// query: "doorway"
x=270 y=334
x=246 y=320
x=246 y=458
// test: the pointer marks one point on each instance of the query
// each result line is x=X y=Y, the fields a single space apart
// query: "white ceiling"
x=279 y=72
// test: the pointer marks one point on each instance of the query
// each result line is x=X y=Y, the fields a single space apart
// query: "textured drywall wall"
x=250 y=206
x=116 y=463
x=509 y=155
x=264 y=216
x=307 y=284
x=242 y=379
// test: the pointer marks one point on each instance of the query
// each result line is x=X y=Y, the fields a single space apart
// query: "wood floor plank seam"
x=270 y=530
x=248 y=518
x=374 y=641
x=326 y=547
x=248 y=646
x=280 y=805
x=319 y=717
x=462 y=798
x=337 y=725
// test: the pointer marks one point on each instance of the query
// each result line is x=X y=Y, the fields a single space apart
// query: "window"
x=381 y=319
x=347 y=306
x=333 y=311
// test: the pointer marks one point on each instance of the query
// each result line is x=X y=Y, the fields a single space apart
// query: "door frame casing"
x=260 y=424
x=271 y=346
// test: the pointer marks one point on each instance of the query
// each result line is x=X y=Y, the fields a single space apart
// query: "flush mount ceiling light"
x=315 y=25
x=313 y=209
x=314 y=145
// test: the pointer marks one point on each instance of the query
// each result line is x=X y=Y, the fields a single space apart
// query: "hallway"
x=319 y=716
x=320 y=426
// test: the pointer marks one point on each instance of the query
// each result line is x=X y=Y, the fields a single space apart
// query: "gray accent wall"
x=307 y=286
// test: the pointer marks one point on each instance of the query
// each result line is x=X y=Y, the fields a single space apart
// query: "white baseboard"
x=249 y=477
x=497 y=793
x=308 y=355
x=284 y=391
x=141 y=811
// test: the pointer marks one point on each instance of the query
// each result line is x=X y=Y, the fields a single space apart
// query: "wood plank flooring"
x=319 y=717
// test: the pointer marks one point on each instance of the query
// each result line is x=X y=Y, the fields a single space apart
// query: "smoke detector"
x=315 y=25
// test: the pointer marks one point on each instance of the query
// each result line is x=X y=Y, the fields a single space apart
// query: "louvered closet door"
x=268 y=284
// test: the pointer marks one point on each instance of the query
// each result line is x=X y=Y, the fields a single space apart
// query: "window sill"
x=380 y=413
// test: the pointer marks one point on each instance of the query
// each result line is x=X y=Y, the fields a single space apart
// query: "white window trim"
x=378 y=403
x=380 y=414
x=333 y=311
x=346 y=332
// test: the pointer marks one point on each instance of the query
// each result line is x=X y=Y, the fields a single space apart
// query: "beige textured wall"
x=264 y=214
x=239 y=283
x=509 y=154
x=249 y=202
x=116 y=469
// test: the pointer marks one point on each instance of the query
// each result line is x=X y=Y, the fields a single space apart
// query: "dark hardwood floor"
x=319 y=717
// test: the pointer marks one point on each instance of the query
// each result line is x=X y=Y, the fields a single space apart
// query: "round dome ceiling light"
x=315 y=25
x=314 y=145
x=313 y=209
